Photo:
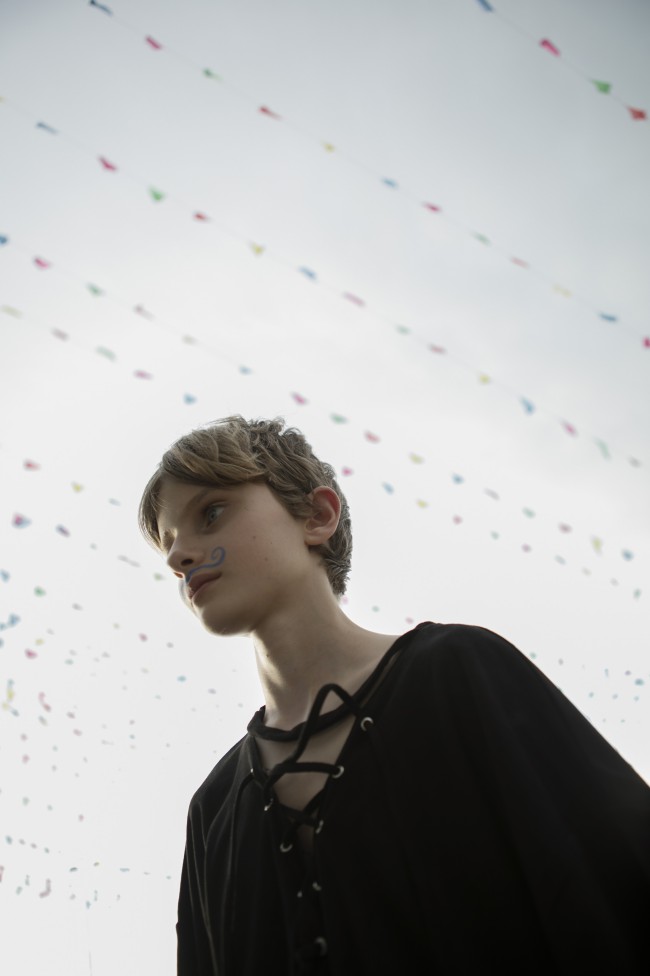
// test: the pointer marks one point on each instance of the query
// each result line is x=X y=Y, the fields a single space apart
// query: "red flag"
x=549 y=47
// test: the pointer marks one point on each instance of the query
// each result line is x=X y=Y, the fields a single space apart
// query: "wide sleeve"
x=577 y=814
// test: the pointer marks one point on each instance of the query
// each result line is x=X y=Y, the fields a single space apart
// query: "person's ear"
x=322 y=524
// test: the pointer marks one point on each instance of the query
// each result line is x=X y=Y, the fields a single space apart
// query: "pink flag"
x=353 y=298
x=549 y=47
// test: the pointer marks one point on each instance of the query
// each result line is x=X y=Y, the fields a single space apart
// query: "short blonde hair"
x=232 y=451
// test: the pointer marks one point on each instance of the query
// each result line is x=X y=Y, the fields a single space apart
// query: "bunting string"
x=635 y=114
x=72 y=881
x=602 y=87
x=66 y=887
x=157 y=195
x=439 y=351
x=435 y=208
x=20 y=520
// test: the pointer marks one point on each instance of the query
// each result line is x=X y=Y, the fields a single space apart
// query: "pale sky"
x=307 y=287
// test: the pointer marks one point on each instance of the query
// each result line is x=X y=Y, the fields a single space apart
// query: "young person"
x=426 y=802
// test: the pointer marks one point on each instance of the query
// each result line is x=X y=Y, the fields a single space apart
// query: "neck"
x=302 y=649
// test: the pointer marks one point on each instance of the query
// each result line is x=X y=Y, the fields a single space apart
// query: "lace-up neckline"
x=266 y=779
x=316 y=722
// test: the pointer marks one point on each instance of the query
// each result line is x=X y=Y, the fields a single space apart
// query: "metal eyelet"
x=339 y=772
x=285 y=848
x=322 y=945
x=365 y=722
x=318 y=829
x=315 y=885
x=299 y=895
x=268 y=805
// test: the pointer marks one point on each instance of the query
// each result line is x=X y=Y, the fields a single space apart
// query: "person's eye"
x=214 y=506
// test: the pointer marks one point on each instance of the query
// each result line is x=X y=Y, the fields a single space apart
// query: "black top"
x=476 y=823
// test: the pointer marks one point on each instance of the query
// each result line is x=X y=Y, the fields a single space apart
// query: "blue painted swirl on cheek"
x=218 y=554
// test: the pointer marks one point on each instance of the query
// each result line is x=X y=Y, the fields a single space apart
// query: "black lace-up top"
x=474 y=822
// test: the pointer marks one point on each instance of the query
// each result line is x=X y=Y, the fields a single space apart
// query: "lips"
x=197 y=585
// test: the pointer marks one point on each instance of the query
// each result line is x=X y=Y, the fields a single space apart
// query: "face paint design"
x=218 y=555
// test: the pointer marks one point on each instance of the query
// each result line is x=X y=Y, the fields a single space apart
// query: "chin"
x=215 y=624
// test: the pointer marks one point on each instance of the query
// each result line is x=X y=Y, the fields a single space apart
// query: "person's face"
x=245 y=535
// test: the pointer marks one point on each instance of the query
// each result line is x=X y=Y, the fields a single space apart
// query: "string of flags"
x=602 y=87
x=635 y=113
x=44 y=888
x=266 y=111
x=21 y=521
x=76 y=881
x=158 y=195
x=596 y=541
x=299 y=398
x=48 y=886
x=48 y=707
x=530 y=408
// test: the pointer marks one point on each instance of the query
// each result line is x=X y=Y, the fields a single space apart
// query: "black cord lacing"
x=308 y=815
x=315 y=722
x=300 y=734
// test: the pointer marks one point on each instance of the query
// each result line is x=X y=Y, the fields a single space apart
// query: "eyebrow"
x=192 y=502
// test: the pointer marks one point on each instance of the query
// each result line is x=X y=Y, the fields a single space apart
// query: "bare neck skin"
x=312 y=643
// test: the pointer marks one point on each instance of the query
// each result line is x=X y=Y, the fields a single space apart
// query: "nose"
x=182 y=565
x=181 y=558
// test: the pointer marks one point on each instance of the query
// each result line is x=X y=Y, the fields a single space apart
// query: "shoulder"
x=215 y=788
x=481 y=680
x=476 y=662
x=464 y=644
